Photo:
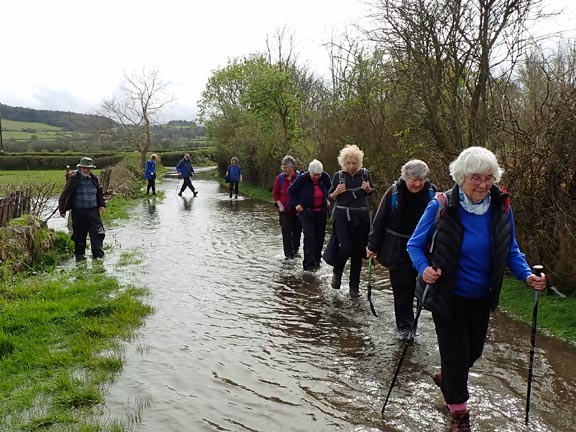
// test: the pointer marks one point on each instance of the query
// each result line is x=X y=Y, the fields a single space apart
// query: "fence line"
x=14 y=205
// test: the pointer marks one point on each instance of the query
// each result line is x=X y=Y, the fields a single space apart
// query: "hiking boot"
x=354 y=291
x=437 y=378
x=195 y=194
x=336 y=280
x=180 y=194
x=236 y=197
x=460 y=421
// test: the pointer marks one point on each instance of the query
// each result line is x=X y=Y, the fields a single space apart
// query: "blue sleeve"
x=418 y=243
x=179 y=167
x=516 y=259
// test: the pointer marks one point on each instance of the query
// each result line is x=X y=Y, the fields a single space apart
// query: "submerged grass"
x=60 y=343
x=555 y=315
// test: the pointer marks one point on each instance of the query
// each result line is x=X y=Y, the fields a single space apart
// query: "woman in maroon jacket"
x=289 y=222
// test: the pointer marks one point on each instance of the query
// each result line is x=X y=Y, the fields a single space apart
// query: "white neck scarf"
x=479 y=208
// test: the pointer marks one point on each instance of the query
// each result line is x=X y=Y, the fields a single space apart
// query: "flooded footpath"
x=243 y=340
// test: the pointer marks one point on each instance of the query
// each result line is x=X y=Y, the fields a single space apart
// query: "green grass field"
x=24 y=131
x=24 y=177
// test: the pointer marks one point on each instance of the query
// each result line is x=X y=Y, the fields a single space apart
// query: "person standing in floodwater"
x=234 y=174
x=185 y=172
x=398 y=213
x=289 y=222
x=150 y=174
x=309 y=193
x=461 y=247
x=83 y=195
x=350 y=189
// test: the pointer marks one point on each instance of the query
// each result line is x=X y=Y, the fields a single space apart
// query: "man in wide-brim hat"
x=84 y=195
x=86 y=162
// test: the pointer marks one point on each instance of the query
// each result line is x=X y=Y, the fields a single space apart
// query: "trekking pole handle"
x=537 y=269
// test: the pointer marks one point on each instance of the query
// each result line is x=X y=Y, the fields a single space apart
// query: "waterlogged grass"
x=130 y=258
x=555 y=315
x=60 y=344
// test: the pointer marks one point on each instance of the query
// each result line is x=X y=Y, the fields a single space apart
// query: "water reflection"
x=242 y=339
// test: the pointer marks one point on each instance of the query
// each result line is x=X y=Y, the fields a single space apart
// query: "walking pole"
x=408 y=339
x=370 y=288
x=57 y=207
x=537 y=270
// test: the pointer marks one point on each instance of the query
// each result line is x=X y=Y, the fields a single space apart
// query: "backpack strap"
x=442 y=204
x=393 y=198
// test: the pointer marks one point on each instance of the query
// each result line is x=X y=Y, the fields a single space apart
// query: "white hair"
x=315 y=167
x=475 y=160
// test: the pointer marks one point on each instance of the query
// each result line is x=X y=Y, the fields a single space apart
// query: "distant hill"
x=66 y=120
x=30 y=130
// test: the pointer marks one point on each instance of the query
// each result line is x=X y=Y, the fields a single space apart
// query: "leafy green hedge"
x=57 y=161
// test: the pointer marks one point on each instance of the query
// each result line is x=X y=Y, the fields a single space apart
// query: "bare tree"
x=446 y=53
x=142 y=96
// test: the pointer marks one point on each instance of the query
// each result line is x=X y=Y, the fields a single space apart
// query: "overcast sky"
x=71 y=54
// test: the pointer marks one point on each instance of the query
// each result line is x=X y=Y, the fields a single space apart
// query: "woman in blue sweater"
x=234 y=174
x=150 y=174
x=460 y=248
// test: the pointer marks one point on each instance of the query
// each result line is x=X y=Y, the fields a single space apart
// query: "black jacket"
x=390 y=233
x=445 y=254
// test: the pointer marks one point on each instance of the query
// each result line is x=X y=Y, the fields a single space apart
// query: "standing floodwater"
x=242 y=340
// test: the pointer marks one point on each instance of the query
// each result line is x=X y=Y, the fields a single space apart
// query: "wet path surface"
x=242 y=340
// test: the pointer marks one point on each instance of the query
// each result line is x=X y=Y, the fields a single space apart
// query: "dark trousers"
x=291 y=232
x=84 y=222
x=461 y=341
x=151 y=185
x=353 y=237
x=403 y=280
x=233 y=188
x=314 y=229
x=187 y=182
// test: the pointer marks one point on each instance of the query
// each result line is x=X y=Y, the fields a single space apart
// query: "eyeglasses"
x=478 y=180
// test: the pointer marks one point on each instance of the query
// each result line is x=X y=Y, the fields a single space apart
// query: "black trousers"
x=187 y=182
x=461 y=342
x=291 y=232
x=353 y=238
x=87 y=222
x=403 y=280
x=314 y=229
x=151 y=185
x=233 y=187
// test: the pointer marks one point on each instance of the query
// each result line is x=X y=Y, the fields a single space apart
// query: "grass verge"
x=555 y=315
x=60 y=343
